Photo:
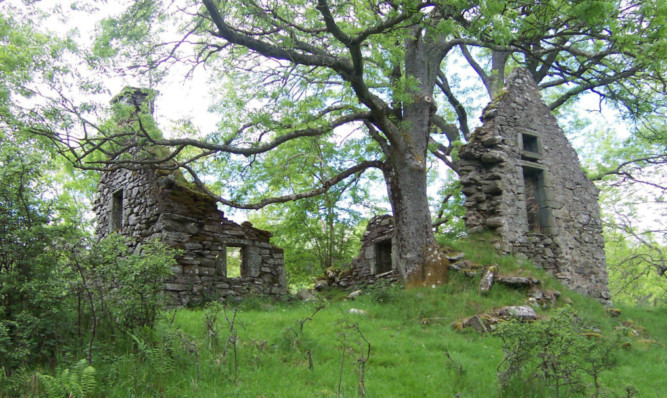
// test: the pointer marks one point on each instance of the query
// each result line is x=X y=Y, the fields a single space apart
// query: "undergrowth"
x=389 y=342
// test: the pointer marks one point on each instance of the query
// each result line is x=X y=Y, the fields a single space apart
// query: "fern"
x=15 y=384
x=76 y=382
x=158 y=351
x=79 y=381
x=50 y=385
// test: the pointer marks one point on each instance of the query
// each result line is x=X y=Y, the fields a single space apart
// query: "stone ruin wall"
x=522 y=180
x=373 y=263
x=154 y=205
x=375 y=258
x=159 y=204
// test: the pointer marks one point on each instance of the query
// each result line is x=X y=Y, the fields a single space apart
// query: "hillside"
x=388 y=342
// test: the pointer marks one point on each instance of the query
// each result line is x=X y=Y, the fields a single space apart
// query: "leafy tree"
x=630 y=174
x=636 y=266
x=385 y=71
x=32 y=288
x=318 y=232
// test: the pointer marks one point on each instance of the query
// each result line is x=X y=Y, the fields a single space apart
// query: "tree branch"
x=441 y=152
x=272 y=51
x=326 y=185
x=460 y=110
x=477 y=67
x=590 y=85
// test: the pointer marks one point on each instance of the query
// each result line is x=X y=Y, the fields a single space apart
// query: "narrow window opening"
x=236 y=262
x=383 y=257
x=537 y=213
x=117 y=210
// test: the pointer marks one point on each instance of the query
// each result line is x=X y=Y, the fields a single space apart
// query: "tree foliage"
x=630 y=175
x=59 y=290
x=389 y=73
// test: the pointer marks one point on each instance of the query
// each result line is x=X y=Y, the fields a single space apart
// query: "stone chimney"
x=136 y=97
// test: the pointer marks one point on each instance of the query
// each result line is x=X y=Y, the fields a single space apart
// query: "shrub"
x=555 y=355
x=69 y=294
x=126 y=286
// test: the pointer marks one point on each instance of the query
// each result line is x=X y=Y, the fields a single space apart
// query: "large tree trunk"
x=411 y=218
x=415 y=252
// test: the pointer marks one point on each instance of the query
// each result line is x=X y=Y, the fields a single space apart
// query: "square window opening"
x=235 y=264
x=530 y=143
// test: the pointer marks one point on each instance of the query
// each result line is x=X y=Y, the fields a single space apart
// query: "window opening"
x=383 y=257
x=117 y=211
x=235 y=262
x=530 y=143
x=530 y=146
x=537 y=212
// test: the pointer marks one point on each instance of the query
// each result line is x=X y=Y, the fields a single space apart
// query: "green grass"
x=410 y=334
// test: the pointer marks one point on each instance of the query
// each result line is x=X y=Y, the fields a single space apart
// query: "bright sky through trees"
x=412 y=78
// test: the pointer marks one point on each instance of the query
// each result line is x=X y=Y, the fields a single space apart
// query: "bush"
x=63 y=299
x=554 y=356
x=124 y=288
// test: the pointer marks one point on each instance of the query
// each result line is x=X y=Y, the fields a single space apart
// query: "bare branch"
x=78 y=150
x=619 y=170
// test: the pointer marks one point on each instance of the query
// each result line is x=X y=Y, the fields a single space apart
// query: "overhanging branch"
x=325 y=186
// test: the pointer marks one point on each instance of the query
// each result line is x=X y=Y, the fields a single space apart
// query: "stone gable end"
x=523 y=181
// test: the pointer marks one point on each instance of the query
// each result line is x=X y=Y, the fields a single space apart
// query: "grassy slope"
x=409 y=333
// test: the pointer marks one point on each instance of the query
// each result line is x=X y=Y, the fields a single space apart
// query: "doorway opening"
x=537 y=211
x=383 y=256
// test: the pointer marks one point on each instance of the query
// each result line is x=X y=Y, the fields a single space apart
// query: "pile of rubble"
x=340 y=278
x=490 y=276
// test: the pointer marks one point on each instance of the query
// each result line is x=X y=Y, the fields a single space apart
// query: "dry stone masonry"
x=374 y=261
x=523 y=181
x=219 y=258
x=376 y=249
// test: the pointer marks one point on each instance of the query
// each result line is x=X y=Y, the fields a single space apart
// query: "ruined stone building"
x=375 y=256
x=523 y=181
x=220 y=258
x=374 y=261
